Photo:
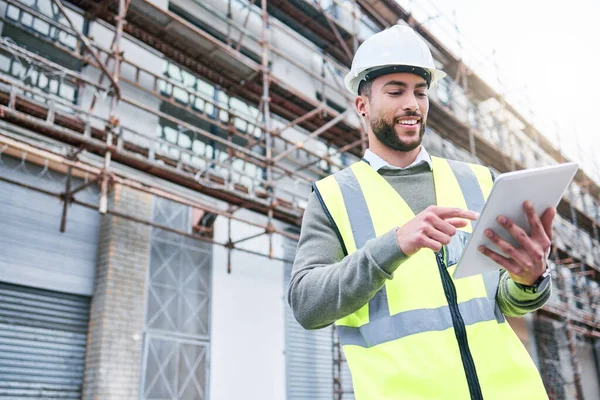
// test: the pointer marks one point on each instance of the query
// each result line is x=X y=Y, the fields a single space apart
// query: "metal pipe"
x=66 y=201
x=146 y=187
x=78 y=78
x=283 y=139
x=249 y=237
x=177 y=231
x=267 y=119
x=335 y=31
x=27 y=186
x=113 y=121
x=229 y=245
x=141 y=221
x=340 y=150
x=89 y=47
x=115 y=54
x=8 y=81
x=312 y=136
x=82 y=187
x=181 y=200
x=301 y=119
x=100 y=147
x=265 y=93
x=243 y=32
x=574 y=361
x=318 y=77
x=299 y=39
x=103 y=205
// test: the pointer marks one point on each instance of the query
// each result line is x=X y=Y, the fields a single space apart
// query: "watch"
x=539 y=285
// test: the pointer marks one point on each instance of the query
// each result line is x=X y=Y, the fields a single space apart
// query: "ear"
x=361 y=103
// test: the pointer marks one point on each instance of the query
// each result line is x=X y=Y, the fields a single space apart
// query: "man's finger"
x=518 y=233
x=446 y=212
x=438 y=236
x=547 y=219
x=535 y=224
x=507 y=263
x=508 y=249
x=457 y=222
x=445 y=227
x=432 y=244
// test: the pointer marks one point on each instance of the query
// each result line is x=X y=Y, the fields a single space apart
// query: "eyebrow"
x=403 y=84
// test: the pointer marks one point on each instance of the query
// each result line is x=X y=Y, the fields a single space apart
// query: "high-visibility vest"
x=425 y=335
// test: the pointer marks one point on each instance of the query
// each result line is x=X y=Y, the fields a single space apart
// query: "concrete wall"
x=281 y=37
x=113 y=360
x=248 y=328
x=590 y=379
x=131 y=118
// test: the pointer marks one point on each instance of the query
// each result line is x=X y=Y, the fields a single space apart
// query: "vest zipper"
x=459 y=330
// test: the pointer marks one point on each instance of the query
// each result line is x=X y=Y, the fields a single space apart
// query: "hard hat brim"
x=353 y=80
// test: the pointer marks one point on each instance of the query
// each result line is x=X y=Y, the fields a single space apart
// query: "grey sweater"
x=326 y=285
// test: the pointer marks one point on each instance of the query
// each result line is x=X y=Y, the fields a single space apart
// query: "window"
x=28 y=21
x=243 y=114
x=443 y=92
x=519 y=149
x=331 y=104
x=177 y=327
x=366 y=29
x=191 y=147
x=48 y=82
x=472 y=115
x=330 y=6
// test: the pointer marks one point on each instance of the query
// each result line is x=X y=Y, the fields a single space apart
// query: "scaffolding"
x=258 y=154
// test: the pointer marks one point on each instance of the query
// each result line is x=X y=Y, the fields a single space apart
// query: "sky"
x=543 y=53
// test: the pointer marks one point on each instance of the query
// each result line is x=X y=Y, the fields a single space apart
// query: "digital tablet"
x=544 y=187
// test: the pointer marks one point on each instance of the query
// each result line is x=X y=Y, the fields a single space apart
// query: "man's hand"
x=432 y=228
x=526 y=263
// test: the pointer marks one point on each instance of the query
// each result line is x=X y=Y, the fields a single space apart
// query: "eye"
x=422 y=95
x=395 y=93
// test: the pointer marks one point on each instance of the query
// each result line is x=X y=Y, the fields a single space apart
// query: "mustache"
x=409 y=114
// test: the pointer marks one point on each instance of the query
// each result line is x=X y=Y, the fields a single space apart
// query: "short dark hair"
x=364 y=88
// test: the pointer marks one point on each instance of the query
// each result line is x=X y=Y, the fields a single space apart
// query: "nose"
x=410 y=103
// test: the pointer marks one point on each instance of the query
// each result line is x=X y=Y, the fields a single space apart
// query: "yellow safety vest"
x=425 y=335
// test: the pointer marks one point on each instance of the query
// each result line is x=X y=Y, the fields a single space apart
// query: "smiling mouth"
x=408 y=122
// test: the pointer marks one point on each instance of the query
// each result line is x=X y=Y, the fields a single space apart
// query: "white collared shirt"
x=377 y=162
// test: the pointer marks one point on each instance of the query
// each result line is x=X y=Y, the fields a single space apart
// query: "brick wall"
x=114 y=352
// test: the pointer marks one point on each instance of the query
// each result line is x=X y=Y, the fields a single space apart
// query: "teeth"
x=409 y=122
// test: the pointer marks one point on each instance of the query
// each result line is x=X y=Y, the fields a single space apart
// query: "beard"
x=385 y=131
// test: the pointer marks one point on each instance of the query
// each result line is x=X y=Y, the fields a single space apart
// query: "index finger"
x=447 y=212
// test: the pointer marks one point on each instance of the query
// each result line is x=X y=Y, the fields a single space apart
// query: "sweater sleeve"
x=514 y=301
x=326 y=284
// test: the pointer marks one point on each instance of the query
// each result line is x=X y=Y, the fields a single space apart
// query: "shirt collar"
x=378 y=163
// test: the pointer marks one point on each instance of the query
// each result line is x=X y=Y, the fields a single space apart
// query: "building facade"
x=155 y=161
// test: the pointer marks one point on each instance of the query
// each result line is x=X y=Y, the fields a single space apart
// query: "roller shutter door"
x=309 y=355
x=42 y=343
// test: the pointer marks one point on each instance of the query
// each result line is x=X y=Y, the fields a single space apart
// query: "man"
x=380 y=241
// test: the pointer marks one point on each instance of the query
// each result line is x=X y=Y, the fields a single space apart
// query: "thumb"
x=546 y=219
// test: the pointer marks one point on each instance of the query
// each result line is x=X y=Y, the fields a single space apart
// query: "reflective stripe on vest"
x=405 y=333
x=362 y=230
x=412 y=322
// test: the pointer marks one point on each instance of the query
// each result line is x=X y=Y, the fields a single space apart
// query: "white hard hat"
x=397 y=49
